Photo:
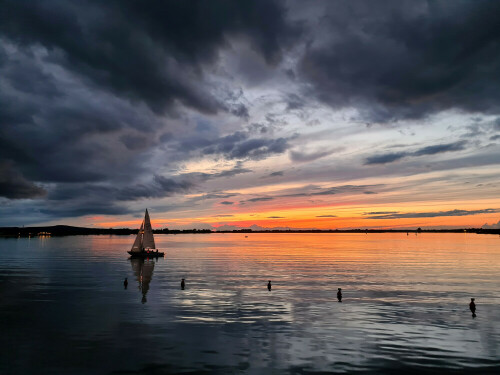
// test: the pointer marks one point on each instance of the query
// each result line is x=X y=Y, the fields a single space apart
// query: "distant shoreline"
x=65 y=230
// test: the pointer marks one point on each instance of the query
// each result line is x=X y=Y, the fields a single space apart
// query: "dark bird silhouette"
x=339 y=295
x=269 y=285
x=472 y=307
x=125 y=283
x=183 y=284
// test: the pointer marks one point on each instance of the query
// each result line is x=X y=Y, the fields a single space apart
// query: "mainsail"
x=144 y=239
x=137 y=246
x=148 y=241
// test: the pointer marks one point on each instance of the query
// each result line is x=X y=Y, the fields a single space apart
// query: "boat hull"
x=145 y=254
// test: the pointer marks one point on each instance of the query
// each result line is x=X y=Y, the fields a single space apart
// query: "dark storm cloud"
x=70 y=136
x=158 y=187
x=496 y=124
x=380 y=213
x=73 y=200
x=231 y=172
x=258 y=199
x=78 y=208
x=239 y=110
x=437 y=149
x=237 y=146
x=217 y=195
x=14 y=186
x=315 y=191
x=259 y=128
x=259 y=148
x=274 y=174
x=473 y=131
x=26 y=77
x=428 y=150
x=342 y=189
x=135 y=141
x=312 y=190
x=294 y=101
x=434 y=214
x=81 y=137
x=302 y=157
x=386 y=158
x=405 y=59
x=152 y=53
x=479 y=128
x=88 y=88
x=236 y=170
x=202 y=176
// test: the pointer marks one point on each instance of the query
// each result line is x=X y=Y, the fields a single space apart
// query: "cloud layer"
x=427 y=150
x=401 y=59
x=397 y=215
x=197 y=107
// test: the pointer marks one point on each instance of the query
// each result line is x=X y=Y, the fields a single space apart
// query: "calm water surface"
x=64 y=310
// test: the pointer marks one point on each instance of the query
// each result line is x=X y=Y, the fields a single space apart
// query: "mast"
x=148 y=241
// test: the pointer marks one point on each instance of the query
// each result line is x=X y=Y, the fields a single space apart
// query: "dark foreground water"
x=64 y=310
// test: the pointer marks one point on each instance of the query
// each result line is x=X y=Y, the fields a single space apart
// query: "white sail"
x=148 y=241
x=137 y=246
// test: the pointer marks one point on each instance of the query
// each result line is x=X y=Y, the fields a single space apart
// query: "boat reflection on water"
x=143 y=271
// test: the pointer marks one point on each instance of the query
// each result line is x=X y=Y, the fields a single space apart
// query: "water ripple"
x=63 y=307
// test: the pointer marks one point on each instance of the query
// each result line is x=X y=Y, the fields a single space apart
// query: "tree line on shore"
x=66 y=230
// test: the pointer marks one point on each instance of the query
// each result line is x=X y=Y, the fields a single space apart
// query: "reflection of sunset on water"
x=410 y=292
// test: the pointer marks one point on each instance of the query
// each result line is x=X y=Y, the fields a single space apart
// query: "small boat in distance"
x=144 y=244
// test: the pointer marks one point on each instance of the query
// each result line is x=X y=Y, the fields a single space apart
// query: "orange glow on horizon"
x=330 y=217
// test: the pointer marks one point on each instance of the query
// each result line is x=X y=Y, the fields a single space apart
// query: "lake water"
x=64 y=310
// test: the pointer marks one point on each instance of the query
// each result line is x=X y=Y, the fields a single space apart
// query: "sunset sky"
x=250 y=114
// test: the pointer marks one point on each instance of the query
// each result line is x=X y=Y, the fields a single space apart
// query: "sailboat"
x=144 y=244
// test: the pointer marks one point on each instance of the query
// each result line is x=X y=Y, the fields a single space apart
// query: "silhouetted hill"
x=61 y=230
